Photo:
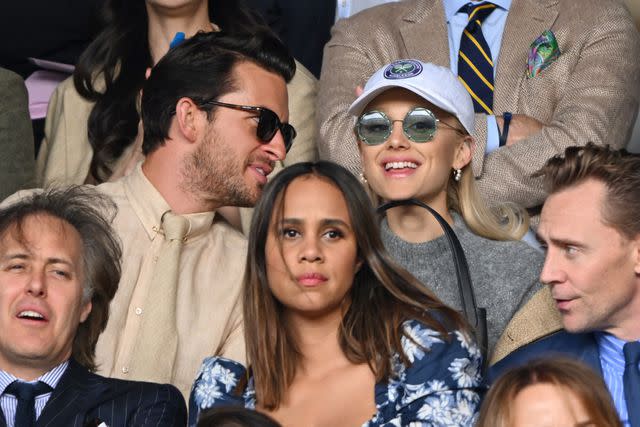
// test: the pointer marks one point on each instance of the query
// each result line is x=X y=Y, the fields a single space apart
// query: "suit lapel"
x=76 y=393
x=424 y=33
x=527 y=19
x=591 y=353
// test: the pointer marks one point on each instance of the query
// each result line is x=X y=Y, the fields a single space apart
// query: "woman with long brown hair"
x=336 y=333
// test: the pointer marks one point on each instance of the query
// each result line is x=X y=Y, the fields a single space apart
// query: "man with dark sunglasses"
x=215 y=113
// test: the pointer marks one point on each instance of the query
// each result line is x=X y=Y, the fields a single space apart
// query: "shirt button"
x=138 y=311
x=125 y=370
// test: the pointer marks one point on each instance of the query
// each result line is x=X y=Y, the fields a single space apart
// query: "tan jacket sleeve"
x=65 y=153
x=591 y=93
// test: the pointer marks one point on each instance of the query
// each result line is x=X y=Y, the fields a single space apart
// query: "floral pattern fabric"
x=441 y=387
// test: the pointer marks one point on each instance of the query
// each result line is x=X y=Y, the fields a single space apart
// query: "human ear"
x=464 y=152
x=187 y=118
x=86 y=310
x=636 y=254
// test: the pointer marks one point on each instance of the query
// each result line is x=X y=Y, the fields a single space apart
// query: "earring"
x=363 y=179
x=457 y=175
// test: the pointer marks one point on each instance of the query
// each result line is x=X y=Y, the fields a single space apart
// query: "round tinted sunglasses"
x=268 y=123
x=419 y=125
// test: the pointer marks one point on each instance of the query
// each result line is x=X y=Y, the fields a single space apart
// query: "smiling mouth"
x=400 y=165
x=31 y=315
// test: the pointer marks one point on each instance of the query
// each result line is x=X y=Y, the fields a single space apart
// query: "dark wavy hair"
x=119 y=57
x=201 y=69
x=383 y=295
x=91 y=214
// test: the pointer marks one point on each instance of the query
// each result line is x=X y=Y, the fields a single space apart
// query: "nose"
x=276 y=147
x=311 y=250
x=36 y=284
x=397 y=139
x=552 y=272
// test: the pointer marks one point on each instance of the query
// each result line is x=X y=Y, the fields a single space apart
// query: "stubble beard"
x=213 y=174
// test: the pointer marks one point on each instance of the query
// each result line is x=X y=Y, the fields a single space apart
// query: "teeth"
x=261 y=171
x=30 y=314
x=400 y=165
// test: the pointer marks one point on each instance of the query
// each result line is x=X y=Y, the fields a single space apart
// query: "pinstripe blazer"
x=590 y=93
x=86 y=399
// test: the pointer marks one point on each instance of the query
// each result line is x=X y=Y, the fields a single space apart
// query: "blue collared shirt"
x=492 y=29
x=612 y=363
x=9 y=403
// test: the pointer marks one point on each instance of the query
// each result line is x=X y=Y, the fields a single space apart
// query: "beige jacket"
x=590 y=93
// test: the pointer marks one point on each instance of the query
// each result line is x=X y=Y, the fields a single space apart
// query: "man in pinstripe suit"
x=59 y=269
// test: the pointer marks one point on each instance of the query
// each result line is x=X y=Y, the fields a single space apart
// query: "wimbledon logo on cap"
x=403 y=69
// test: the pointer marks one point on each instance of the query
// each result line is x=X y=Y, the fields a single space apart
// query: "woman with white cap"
x=414 y=127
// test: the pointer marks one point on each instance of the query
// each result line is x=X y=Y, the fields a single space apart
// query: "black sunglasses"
x=419 y=125
x=268 y=123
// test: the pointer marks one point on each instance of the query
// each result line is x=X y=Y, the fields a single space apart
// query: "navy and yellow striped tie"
x=475 y=66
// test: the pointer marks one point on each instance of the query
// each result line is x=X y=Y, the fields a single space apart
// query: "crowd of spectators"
x=377 y=213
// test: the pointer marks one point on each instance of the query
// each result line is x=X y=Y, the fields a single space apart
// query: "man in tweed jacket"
x=590 y=93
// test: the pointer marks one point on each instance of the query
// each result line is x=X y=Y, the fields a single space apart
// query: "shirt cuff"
x=493 y=135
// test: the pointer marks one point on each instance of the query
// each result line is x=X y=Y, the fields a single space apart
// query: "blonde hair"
x=506 y=221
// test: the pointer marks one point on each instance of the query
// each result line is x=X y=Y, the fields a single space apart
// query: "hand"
x=521 y=127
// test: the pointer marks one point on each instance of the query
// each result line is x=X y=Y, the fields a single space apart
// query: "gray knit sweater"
x=504 y=274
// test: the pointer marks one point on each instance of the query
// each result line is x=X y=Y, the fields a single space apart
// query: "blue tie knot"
x=477 y=11
x=631 y=352
x=27 y=391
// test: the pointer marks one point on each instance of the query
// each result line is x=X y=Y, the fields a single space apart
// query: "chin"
x=576 y=327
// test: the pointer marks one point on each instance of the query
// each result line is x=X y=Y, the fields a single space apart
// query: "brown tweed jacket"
x=590 y=93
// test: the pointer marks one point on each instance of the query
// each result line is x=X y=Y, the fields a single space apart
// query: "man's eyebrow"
x=559 y=241
x=15 y=255
x=26 y=256
x=54 y=260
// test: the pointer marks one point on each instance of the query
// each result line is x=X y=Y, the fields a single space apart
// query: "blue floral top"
x=441 y=387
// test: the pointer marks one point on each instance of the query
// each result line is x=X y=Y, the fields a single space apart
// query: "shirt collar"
x=149 y=205
x=51 y=378
x=451 y=7
x=611 y=353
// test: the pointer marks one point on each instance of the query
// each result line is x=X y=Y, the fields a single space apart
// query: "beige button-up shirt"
x=212 y=266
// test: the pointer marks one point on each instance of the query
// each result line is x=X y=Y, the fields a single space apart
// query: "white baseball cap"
x=436 y=84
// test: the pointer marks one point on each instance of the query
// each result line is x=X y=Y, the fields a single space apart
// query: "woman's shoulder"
x=442 y=383
x=423 y=344
x=217 y=384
